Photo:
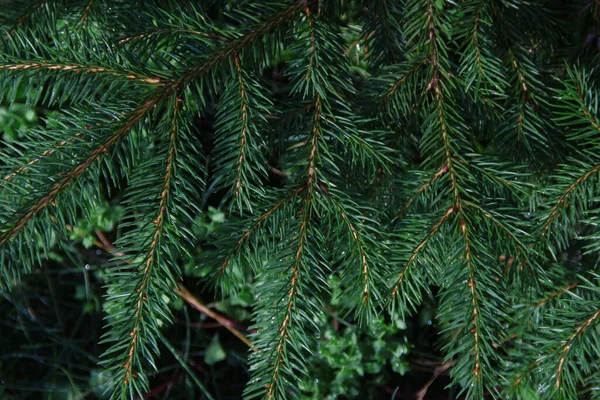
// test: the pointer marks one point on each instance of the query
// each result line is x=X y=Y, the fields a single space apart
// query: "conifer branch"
x=435 y=84
x=569 y=343
x=399 y=83
x=295 y=122
x=363 y=256
x=71 y=176
x=525 y=98
x=150 y=34
x=25 y=17
x=520 y=247
x=474 y=302
x=244 y=166
x=417 y=250
x=382 y=31
x=258 y=222
x=151 y=255
x=563 y=200
x=423 y=188
x=86 y=11
x=557 y=293
x=244 y=132
x=46 y=153
x=283 y=329
x=475 y=38
x=237 y=45
x=294 y=282
x=584 y=107
x=521 y=78
x=79 y=69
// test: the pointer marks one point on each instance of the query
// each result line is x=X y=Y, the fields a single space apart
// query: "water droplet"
x=429 y=322
x=98 y=252
x=316 y=381
x=540 y=388
x=87 y=266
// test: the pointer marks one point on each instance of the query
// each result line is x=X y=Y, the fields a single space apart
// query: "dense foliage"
x=375 y=199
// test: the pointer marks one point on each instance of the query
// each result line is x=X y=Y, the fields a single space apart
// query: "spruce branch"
x=79 y=69
x=257 y=224
x=422 y=189
x=557 y=293
x=481 y=69
x=563 y=200
x=569 y=343
x=399 y=83
x=240 y=118
x=274 y=385
x=361 y=158
x=86 y=12
x=150 y=257
x=473 y=289
x=138 y=306
x=24 y=18
x=46 y=153
x=171 y=30
x=362 y=253
x=70 y=176
x=251 y=36
x=400 y=281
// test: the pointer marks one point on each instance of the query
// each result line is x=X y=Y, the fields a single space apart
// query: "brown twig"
x=163 y=386
x=198 y=305
x=106 y=244
x=436 y=373
x=185 y=294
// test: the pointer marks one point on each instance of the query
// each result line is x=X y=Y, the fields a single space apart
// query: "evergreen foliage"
x=374 y=155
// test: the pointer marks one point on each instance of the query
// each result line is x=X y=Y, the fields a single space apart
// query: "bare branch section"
x=197 y=304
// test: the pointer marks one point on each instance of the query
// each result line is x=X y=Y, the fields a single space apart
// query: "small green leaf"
x=214 y=352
